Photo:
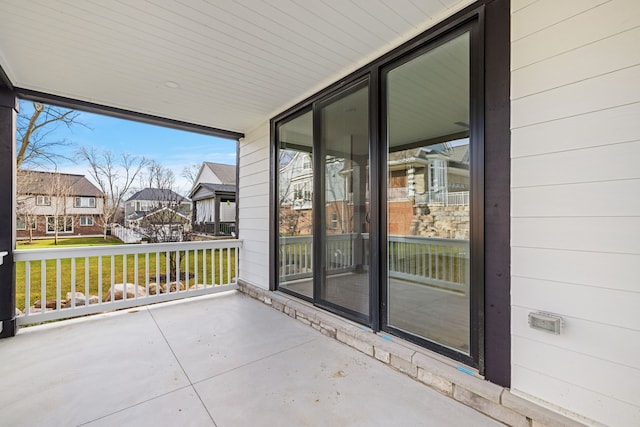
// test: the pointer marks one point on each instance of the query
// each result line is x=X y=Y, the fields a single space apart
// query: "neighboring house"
x=545 y=91
x=214 y=199
x=150 y=199
x=49 y=200
x=159 y=214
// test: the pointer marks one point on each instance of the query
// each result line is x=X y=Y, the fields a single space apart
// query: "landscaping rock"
x=173 y=286
x=155 y=288
x=79 y=295
x=48 y=304
x=131 y=289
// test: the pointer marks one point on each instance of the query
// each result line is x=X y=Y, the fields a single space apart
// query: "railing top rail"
x=91 y=251
x=392 y=238
x=429 y=240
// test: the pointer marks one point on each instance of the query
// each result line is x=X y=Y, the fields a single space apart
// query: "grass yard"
x=67 y=242
x=93 y=275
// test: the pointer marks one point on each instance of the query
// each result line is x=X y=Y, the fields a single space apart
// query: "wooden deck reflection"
x=419 y=309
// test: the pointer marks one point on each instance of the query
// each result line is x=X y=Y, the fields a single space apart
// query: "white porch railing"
x=442 y=263
x=102 y=278
x=458 y=198
x=397 y=193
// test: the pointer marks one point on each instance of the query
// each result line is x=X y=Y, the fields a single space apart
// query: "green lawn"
x=74 y=271
x=67 y=242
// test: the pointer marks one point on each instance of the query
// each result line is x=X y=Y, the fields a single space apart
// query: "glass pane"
x=295 y=203
x=345 y=144
x=428 y=195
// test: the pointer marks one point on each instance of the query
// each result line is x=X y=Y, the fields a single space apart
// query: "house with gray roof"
x=159 y=214
x=150 y=199
x=50 y=202
x=214 y=199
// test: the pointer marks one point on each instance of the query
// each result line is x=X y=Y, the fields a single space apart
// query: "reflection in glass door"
x=295 y=205
x=344 y=145
x=428 y=187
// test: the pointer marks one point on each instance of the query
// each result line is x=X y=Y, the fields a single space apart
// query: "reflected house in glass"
x=422 y=183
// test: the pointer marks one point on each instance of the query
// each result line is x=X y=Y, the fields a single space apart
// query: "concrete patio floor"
x=221 y=360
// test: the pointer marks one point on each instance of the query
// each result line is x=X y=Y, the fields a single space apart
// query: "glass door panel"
x=295 y=205
x=428 y=188
x=344 y=142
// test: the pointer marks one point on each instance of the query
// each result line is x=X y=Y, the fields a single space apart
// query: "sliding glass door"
x=380 y=195
x=344 y=228
x=428 y=194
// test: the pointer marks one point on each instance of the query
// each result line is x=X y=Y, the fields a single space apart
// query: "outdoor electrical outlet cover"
x=546 y=322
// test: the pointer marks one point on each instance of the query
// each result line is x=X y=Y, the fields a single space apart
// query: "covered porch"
x=216 y=360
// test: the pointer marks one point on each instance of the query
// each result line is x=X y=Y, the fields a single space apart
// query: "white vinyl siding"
x=253 y=195
x=575 y=209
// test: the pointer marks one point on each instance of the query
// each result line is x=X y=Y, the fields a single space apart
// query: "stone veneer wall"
x=450 y=222
x=443 y=375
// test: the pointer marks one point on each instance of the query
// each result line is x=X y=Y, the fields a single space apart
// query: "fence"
x=101 y=278
x=127 y=235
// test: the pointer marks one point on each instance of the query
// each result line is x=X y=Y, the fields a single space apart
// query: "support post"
x=8 y=111
x=216 y=214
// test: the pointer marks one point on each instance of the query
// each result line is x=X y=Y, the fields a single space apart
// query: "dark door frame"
x=319 y=224
x=491 y=307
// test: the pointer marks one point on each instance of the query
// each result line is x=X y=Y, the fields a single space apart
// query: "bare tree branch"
x=113 y=175
x=190 y=173
x=34 y=133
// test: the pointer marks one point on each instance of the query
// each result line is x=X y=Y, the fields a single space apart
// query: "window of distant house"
x=84 y=202
x=334 y=221
x=86 y=221
x=306 y=162
x=43 y=200
x=21 y=224
x=63 y=224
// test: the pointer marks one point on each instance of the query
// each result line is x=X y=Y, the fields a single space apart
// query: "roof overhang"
x=225 y=66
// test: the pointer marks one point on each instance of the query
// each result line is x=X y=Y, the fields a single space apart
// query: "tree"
x=168 y=219
x=58 y=190
x=157 y=176
x=35 y=134
x=26 y=206
x=190 y=173
x=114 y=175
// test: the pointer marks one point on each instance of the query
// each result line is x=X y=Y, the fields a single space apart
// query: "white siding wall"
x=254 y=206
x=576 y=204
x=207 y=176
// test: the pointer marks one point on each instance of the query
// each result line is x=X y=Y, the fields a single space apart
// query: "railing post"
x=8 y=111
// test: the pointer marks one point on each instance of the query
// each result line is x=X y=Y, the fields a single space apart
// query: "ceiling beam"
x=120 y=113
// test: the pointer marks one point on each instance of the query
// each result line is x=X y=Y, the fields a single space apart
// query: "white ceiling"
x=235 y=63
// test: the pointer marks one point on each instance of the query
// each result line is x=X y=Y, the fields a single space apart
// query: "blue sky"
x=173 y=148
